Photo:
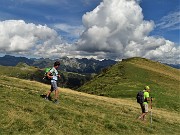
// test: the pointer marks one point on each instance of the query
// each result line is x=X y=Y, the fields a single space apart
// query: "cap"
x=146 y=88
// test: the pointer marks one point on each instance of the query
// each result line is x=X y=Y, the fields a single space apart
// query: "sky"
x=99 y=29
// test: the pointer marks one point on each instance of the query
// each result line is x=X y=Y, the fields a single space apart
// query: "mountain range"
x=76 y=65
x=83 y=65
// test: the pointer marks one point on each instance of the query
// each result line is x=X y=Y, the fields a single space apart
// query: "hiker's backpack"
x=45 y=73
x=140 y=97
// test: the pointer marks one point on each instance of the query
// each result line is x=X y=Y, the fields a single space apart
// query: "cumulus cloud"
x=19 y=37
x=116 y=29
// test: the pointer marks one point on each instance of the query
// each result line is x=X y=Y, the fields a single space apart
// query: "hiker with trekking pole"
x=143 y=99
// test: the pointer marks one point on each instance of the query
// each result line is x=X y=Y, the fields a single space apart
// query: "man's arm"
x=49 y=75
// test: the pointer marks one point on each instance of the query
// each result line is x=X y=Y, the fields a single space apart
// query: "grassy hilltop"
x=23 y=111
x=126 y=78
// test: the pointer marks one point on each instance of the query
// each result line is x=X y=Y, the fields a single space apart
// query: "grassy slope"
x=23 y=111
x=126 y=78
x=22 y=71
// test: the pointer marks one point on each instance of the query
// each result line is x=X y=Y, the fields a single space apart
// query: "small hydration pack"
x=140 y=97
x=45 y=74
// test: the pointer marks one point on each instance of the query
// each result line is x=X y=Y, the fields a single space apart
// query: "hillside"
x=126 y=78
x=23 y=111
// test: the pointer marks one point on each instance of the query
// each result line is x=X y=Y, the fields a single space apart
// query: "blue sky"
x=71 y=26
x=157 y=9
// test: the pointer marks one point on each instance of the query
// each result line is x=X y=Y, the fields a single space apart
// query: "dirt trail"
x=169 y=115
x=117 y=101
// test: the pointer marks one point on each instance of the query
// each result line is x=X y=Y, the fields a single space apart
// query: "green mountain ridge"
x=113 y=112
x=126 y=78
x=23 y=111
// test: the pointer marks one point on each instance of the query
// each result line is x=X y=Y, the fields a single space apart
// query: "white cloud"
x=16 y=36
x=166 y=53
x=72 y=31
x=117 y=28
x=170 y=22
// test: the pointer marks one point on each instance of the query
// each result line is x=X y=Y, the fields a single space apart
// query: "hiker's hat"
x=146 y=88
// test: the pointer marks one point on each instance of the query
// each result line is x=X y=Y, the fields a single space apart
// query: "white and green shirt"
x=54 y=72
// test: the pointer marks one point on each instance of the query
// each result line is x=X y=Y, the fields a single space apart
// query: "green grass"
x=23 y=111
x=21 y=71
x=126 y=78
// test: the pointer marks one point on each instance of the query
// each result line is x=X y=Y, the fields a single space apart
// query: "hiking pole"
x=151 y=110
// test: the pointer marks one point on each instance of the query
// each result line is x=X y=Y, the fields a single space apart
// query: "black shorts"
x=142 y=108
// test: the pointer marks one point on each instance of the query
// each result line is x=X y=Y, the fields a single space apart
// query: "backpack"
x=45 y=73
x=140 y=97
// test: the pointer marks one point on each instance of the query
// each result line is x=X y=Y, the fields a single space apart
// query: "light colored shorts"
x=144 y=108
x=54 y=85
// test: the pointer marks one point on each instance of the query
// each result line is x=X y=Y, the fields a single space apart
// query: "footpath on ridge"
x=172 y=116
